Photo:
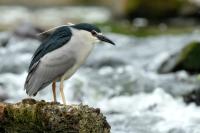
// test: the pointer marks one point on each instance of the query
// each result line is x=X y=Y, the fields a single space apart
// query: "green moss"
x=32 y=116
x=189 y=58
x=21 y=114
x=91 y=121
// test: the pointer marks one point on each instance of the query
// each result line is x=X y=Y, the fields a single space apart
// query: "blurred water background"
x=123 y=81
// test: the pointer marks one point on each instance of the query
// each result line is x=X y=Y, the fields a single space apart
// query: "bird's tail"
x=31 y=84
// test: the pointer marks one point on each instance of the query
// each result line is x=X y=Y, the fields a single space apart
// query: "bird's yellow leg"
x=54 y=91
x=61 y=91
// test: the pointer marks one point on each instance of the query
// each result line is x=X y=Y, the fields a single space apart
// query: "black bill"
x=105 y=39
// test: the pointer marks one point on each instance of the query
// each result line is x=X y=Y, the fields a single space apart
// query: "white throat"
x=83 y=44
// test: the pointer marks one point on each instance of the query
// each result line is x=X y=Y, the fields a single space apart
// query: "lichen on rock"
x=39 y=116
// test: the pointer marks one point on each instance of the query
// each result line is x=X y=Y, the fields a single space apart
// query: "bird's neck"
x=84 y=43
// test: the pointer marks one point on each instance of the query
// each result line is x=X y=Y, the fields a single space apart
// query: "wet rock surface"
x=189 y=58
x=186 y=59
x=192 y=97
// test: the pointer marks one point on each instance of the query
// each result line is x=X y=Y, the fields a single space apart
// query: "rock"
x=39 y=116
x=192 y=97
x=187 y=59
x=4 y=38
x=168 y=64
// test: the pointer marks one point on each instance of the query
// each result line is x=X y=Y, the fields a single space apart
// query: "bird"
x=60 y=55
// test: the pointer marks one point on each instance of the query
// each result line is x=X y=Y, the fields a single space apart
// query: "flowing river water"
x=121 y=80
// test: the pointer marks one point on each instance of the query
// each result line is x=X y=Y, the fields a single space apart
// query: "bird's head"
x=94 y=32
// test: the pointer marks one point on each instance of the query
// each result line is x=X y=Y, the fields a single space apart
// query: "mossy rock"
x=30 y=116
x=189 y=58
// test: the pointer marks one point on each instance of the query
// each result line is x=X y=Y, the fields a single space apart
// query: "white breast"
x=81 y=45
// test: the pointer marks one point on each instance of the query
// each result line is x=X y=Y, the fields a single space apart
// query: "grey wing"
x=43 y=73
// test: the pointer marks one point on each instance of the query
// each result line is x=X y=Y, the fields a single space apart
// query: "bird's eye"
x=94 y=33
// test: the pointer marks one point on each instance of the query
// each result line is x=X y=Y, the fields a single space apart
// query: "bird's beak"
x=104 y=39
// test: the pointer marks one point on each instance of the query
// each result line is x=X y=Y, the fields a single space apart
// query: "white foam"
x=172 y=112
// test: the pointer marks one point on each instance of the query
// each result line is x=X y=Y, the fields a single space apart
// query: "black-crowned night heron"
x=60 y=55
